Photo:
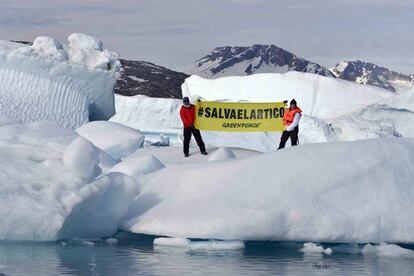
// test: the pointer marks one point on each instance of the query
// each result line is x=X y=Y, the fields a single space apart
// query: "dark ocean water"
x=135 y=255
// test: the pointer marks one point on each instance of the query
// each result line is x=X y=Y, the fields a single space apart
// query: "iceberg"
x=317 y=96
x=365 y=112
x=55 y=184
x=329 y=192
x=70 y=84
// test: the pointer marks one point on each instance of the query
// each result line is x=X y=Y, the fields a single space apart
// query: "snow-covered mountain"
x=239 y=61
x=145 y=78
x=362 y=72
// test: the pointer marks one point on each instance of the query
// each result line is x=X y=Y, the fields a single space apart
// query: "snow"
x=387 y=250
x=49 y=48
x=148 y=114
x=140 y=165
x=57 y=82
x=44 y=192
x=115 y=139
x=85 y=42
x=391 y=117
x=99 y=206
x=173 y=156
x=137 y=79
x=82 y=157
x=314 y=93
x=333 y=192
x=312 y=248
x=221 y=154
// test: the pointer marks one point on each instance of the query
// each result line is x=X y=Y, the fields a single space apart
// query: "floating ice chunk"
x=48 y=47
x=82 y=157
x=387 y=250
x=84 y=42
x=139 y=165
x=212 y=245
x=87 y=243
x=216 y=245
x=115 y=139
x=111 y=241
x=222 y=154
x=312 y=248
x=173 y=242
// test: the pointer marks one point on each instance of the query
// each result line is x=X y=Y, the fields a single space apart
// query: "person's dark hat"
x=186 y=100
x=293 y=101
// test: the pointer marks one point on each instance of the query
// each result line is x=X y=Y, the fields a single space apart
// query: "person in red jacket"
x=187 y=114
x=291 y=120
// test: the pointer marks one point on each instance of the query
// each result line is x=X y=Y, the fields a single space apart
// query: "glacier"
x=70 y=84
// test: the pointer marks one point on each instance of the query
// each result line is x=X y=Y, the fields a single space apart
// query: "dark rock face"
x=145 y=78
x=371 y=74
x=255 y=59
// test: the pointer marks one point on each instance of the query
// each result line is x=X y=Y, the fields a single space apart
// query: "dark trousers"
x=293 y=135
x=197 y=135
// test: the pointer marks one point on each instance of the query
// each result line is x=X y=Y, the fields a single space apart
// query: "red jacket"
x=290 y=115
x=187 y=115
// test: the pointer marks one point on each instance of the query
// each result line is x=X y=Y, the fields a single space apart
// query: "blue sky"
x=177 y=32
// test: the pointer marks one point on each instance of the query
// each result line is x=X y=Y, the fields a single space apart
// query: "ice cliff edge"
x=67 y=83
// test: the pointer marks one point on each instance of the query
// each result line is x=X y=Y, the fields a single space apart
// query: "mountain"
x=145 y=78
x=238 y=61
x=368 y=73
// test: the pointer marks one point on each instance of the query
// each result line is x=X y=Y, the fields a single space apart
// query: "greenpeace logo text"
x=240 y=125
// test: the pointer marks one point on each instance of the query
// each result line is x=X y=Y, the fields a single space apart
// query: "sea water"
x=136 y=255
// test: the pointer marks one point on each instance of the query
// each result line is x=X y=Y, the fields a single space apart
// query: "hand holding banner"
x=239 y=117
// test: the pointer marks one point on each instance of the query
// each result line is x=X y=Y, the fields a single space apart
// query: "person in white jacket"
x=291 y=120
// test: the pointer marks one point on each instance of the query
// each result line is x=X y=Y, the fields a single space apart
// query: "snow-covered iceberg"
x=391 y=117
x=317 y=96
x=365 y=112
x=53 y=184
x=69 y=84
x=334 y=192
x=155 y=115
